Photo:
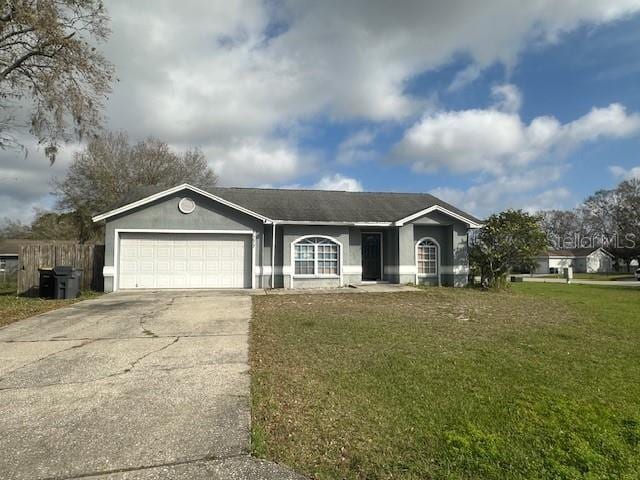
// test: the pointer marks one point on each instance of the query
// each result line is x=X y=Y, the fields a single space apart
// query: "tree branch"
x=34 y=53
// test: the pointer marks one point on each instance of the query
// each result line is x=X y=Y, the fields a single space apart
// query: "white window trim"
x=438 y=208
x=118 y=231
x=292 y=265
x=438 y=262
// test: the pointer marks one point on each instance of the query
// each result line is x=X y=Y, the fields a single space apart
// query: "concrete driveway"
x=130 y=386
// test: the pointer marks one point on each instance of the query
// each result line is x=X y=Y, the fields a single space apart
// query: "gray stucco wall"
x=164 y=215
x=398 y=248
x=390 y=255
x=450 y=235
x=291 y=233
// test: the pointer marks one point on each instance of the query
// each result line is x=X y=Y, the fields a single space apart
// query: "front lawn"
x=14 y=308
x=539 y=382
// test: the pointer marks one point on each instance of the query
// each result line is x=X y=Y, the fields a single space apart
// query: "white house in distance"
x=583 y=260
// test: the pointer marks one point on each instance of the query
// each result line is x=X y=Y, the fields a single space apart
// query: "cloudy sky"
x=488 y=105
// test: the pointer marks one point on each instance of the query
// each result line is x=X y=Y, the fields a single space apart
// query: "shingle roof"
x=10 y=246
x=308 y=205
x=333 y=206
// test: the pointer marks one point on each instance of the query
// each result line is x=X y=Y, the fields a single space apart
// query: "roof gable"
x=170 y=191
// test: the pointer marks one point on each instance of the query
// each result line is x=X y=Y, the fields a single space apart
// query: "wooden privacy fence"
x=89 y=258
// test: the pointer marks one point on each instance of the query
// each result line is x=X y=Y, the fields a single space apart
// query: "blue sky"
x=489 y=105
x=593 y=66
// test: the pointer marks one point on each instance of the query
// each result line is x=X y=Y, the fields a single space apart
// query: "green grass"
x=597 y=276
x=14 y=308
x=542 y=381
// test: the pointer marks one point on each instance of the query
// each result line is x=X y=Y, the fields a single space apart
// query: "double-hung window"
x=427 y=257
x=316 y=256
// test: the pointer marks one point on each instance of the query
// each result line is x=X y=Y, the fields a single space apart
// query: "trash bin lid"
x=62 y=270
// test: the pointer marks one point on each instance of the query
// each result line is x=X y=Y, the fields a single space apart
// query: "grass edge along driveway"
x=542 y=381
x=14 y=308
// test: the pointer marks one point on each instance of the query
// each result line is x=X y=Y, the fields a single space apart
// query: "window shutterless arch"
x=316 y=256
x=427 y=255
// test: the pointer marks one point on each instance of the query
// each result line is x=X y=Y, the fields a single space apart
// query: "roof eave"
x=170 y=191
x=470 y=222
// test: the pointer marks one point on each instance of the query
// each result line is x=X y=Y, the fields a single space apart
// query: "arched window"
x=316 y=256
x=427 y=256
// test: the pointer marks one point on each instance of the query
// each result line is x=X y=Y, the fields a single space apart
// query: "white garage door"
x=160 y=260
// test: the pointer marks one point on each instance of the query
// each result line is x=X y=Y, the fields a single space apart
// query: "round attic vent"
x=187 y=205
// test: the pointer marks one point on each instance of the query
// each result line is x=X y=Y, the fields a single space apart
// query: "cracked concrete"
x=133 y=385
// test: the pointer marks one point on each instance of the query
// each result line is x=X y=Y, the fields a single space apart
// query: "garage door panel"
x=156 y=260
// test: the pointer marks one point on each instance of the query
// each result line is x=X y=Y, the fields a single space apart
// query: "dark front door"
x=371 y=256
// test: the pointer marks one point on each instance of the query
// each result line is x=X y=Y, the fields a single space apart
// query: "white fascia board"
x=603 y=250
x=438 y=208
x=170 y=191
x=348 y=224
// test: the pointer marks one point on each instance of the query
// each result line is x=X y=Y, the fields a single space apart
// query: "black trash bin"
x=47 y=283
x=67 y=282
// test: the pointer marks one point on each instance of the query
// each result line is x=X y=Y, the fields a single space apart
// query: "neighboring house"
x=9 y=258
x=583 y=260
x=186 y=237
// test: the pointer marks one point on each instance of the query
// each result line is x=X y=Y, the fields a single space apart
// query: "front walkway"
x=130 y=386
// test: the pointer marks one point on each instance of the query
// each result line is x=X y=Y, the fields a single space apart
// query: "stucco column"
x=406 y=254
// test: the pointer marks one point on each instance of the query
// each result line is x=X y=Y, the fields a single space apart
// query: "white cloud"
x=338 y=182
x=335 y=181
x=357 y=148
x=212 y=75
x=494 y=141
x=508 y=98
x=254 y=161
x=623 y=173
x=25 y=179
x=531 y=190
x=464 y=77
x=209 y=71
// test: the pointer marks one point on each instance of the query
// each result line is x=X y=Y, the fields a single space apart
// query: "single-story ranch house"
x=583 y=260
x=186 y=237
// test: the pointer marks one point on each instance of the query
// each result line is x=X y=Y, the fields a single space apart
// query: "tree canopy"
x=53 y=79
x=608 y=218
x=509 y=239
x=111 y=171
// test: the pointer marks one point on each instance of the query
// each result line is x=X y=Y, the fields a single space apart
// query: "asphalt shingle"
x=333 y=206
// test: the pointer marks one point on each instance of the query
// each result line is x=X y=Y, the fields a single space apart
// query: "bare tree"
x=598 y=212
x=560 y=226
x=110 y=172
x=51 y=73
x=627 y=215
x=14 y=229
